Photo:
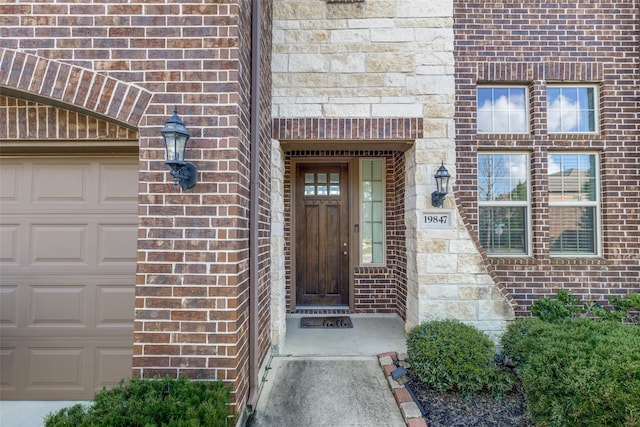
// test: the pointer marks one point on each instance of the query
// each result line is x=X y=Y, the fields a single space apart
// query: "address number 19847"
x=436 y=220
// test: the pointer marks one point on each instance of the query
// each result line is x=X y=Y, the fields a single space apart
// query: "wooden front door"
x=321 y=233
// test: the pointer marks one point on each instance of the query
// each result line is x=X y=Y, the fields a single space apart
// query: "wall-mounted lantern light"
x=442 y=186
x=176 y=135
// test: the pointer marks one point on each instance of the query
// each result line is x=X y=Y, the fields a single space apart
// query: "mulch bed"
x=454 y=410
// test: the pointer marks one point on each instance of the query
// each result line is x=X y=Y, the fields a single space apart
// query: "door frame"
x=353 y=173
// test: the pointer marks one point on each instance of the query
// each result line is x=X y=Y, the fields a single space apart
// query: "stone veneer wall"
x=384 y=59
x=534 y=43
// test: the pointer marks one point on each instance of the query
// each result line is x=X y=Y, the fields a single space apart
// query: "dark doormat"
x=326 y=322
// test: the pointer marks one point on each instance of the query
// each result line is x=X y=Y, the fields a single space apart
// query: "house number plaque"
x=436 y=219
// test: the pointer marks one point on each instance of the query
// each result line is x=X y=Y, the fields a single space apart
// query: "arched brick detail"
x=72 y=85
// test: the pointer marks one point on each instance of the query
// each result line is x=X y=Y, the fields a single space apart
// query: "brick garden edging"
x=409 y=409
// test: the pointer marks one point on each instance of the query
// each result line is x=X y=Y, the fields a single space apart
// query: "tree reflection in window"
x=503 y=201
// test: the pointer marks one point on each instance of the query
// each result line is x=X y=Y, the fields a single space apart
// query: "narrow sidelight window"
x=372 y=221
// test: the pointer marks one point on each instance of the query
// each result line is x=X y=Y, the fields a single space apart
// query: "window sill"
x=372 y=269
x=513 y=260
x=577 y=260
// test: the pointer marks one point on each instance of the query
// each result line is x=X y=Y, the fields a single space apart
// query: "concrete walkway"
x=326 y=392
x=29 y=413
x=332 y=377
x=370 y=335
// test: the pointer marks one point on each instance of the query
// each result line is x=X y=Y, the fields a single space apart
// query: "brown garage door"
x=68 y=231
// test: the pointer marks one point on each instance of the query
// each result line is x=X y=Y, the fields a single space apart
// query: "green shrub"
x=563 y=307
x=566 y=306
x=450 y=355
x=622 y=306
x=519 y=339
x=151 y=402
x=578 y=372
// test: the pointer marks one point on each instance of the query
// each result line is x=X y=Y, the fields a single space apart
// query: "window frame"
x=362 y=212
x=528 y=228
x=597 y=204
x=527 y=109
x=596 y=107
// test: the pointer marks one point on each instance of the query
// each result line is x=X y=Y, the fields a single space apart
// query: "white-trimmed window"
x=574 y=206
x=502 y=109
x=572 y=109
x=504 y=203
x=372 y=207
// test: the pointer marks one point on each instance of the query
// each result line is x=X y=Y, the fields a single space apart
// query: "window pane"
x=378 y=232
x=573 y=203
x=377 y=255
x=485 y=124
x=502 y=177
x=377 y=211
x=316 y=184
x=571 y=109
x=367 y=212
x=503 y=230
x=572 y=230
x=367 y=192
x=502 y=110
x=377 y=190
x=372 y=211
x=518 y=120
x=503 y=196
x=366 y=170
x=572 y=177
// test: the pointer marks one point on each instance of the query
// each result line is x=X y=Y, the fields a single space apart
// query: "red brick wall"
x=537 y=42
x=130 y=64
x=264 y=187
x=376 y=289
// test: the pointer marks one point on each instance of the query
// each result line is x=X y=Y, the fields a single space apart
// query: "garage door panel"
x=115 y=185
x=91 y=305
x=117 y=243
x=8 y=306
x=63 y=368
x=11 y=175
x=114 y=306
x=9 y=243
x=90 y=242
x=59 y=306
x=61 y=183
x=56 y=368
x=8 y=369
x=109 y=365
x=59 y=243
x=68 y=237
